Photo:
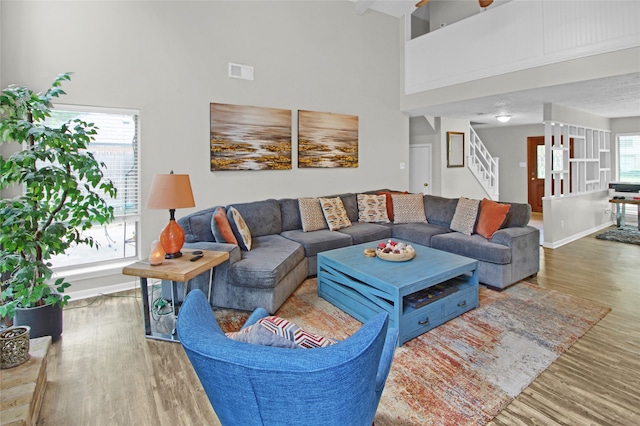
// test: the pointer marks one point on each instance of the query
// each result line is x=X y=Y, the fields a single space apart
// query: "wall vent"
x=244 y=72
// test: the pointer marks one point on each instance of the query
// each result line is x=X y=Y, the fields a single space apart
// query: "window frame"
x=135 y=218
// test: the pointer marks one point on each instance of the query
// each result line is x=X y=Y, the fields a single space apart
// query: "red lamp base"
x=172 y=240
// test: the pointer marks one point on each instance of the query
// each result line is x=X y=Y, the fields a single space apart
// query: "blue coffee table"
x=365 y=286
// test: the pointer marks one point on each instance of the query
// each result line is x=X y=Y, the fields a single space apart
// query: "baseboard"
x=93 y=292
x=577 y=236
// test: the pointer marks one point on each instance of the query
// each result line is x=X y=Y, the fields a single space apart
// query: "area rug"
x=467 y=370
x=625 y=234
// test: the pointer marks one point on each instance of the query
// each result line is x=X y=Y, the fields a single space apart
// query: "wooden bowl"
x=391 y=257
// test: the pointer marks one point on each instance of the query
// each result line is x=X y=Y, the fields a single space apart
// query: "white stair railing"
x=483 y=166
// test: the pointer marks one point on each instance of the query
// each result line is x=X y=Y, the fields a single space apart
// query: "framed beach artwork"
x=327 y=140
x=249 y=138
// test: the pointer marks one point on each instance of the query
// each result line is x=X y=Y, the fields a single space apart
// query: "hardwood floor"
x=104 y=372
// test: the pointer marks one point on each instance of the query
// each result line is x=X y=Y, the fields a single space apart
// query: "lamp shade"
x=170 y=191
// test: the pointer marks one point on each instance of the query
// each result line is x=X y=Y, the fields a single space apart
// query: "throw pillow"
x=408 y=208
x=334 y=213
x=492 y=216
x=389 y=201
x=240 y=229
x=372 y=208
x=221 y=228
x=464 y=218
x=311 y=214
x=276 y=331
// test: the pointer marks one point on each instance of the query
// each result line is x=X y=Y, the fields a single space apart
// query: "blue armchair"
x=250 y=384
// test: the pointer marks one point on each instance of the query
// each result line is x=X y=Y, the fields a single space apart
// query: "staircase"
x=483 y=166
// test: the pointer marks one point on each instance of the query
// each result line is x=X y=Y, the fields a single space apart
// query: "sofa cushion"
x=290 y=211
x=474 y=246
x=197 y=226
x=408 y=208
x=240 y=229
x=334 y=213
x=221 y=227
x=271 y=258
x=254 y=214
x=372 y=208
x=419 y=233
x=311 y=214
x=519 y=215
x=440 y=210
x=367 y=232
x=319 y=241
x=492 y=217
x=464 y=218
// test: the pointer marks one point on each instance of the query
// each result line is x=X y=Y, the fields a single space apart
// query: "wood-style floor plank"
x=104 y=372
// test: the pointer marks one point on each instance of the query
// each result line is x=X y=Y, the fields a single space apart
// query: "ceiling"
x=611 y=97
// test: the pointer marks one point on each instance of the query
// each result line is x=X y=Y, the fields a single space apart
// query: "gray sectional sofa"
x=282 y=255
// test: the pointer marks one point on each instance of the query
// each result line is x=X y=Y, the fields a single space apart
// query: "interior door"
x=535 y=169
x=420 y=168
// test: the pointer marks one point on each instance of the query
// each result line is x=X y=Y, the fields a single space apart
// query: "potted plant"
x=62 y=195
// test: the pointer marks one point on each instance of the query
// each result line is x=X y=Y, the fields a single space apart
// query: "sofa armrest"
x=234 y=251
x=506 y=236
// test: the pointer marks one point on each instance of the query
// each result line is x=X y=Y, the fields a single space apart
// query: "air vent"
x=244 y=72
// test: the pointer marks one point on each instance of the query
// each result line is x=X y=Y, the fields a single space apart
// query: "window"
x=116 y=145
x=628 y=158
x=628 y=166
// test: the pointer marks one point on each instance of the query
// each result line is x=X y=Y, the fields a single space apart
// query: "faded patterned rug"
x=466 y=371
x=626 y=234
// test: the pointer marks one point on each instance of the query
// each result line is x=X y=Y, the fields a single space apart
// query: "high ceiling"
x=612 y=97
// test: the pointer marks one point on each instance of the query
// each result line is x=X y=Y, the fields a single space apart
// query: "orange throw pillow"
x=221 y=228
x=387 y=194
x=492 y=216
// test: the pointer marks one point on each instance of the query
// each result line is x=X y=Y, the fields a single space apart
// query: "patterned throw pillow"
x=311 y=214
x=372 y=208
x=408 y=208
x=221 y=228
x=387 y=195
x=240 y=229
x=276 y=331
x=464 y=218
x=492 y=216
x=334 y=213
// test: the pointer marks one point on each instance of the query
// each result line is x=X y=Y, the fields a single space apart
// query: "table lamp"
x=171 y=191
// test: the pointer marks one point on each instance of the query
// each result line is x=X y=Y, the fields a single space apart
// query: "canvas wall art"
x=327 y=140
x=249 y=138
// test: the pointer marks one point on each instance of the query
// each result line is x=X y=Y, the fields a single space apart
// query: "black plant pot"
x=44 y=320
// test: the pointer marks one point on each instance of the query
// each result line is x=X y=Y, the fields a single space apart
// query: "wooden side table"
x=177 y=270
x=620 y=209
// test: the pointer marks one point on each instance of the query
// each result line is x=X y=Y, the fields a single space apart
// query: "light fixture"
x=503 y=118
x=171 y=192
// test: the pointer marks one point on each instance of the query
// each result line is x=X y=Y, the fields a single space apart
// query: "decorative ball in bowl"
x=395 y=251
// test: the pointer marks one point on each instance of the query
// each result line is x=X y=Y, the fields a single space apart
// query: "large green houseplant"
x=62 y=188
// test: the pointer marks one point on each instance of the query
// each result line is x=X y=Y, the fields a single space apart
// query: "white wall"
x=457 y=181
x=169 y=60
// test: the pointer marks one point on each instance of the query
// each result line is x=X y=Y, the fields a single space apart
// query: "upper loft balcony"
x=520 y=35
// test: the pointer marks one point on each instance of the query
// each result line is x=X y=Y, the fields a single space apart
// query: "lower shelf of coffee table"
x=410 y=322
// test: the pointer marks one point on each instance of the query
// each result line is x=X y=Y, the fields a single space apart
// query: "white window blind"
x=629 y=158
x=115 y=145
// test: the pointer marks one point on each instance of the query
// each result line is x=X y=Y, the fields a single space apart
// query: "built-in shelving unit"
x=579 y=159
